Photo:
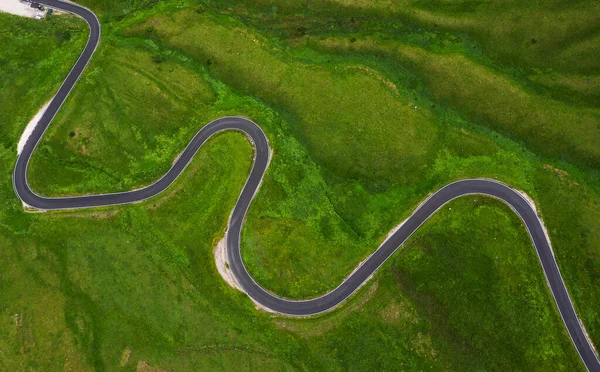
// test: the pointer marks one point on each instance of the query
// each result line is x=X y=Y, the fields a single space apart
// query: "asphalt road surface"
x=262 y=153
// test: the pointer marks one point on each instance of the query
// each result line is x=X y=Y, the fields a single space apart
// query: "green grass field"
x=366 y=115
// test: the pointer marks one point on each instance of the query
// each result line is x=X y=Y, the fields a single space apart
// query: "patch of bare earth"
x=100 y=215
x=399 y=312
x=25 y=333
x=562 y=175
x=143 y=366
x=587 y=336
x=29 y=209
x=220 y=253
x=125 y=357
x=393 y=231
x=422 y=344
x=220 y=348
x=529 y=200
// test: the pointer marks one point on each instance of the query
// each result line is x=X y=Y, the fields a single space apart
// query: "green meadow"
x=368 y=107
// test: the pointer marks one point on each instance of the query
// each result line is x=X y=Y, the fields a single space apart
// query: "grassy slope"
x=32 y=52
x=389 y=169
x=304 y=207
x=575 y=241
x=145 y=120
x=536 y=119
x=555 y=51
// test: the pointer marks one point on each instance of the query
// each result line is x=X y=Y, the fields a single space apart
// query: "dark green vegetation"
x=368 y=109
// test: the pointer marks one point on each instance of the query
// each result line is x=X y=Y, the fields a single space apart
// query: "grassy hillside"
x=35 y=58
x=366 y=114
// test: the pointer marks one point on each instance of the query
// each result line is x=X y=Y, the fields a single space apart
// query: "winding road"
x=262 y=152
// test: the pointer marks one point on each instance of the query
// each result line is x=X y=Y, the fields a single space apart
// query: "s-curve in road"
x=262 y=152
